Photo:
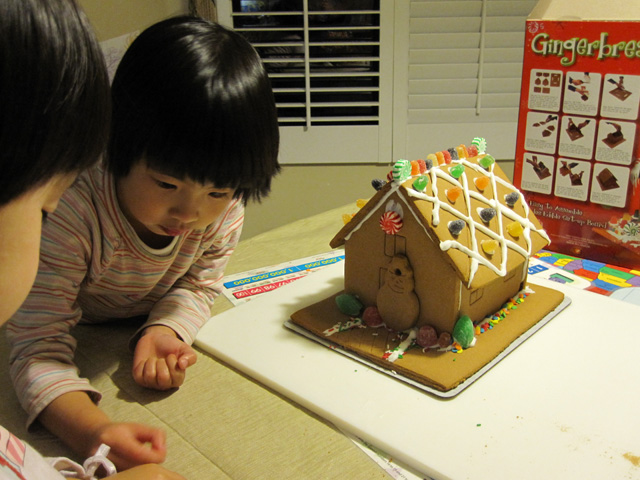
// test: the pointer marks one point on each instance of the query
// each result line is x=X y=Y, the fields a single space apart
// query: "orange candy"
x=515 y=229
x=415 y=167
x=481 y=182
x=489 y=246
x=440 y=157
x=453 y=193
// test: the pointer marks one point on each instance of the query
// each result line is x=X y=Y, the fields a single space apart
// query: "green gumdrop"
x=457 y=171
x=349 y=304
x=487 y=161
x=463 y=331
x=420 y=183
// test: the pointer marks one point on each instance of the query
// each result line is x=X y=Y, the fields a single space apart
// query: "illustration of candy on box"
x=578 y=145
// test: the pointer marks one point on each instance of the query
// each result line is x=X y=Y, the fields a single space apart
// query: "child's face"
x=160 y=206
x=20 y=228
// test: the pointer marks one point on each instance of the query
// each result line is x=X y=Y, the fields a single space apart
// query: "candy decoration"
x=486 y=214
x=463 y=332
x=361 y=202
x=346 y=218
x=456 y=226
x=427 y=336
x=472 y=150
x=487 y=161
x=349 y=304
x=453 y=193
x=377 y=183
x=515 y=229
x=422 y=166
x=420 y=183
x=440 y=158
x=429 y=161
x=371 y=317
x=391 y=222
x=489 y=246
x=444 y=340
x=454 y=154
x=480 y=143
x=401 y=170
x=481 y=183
x=512 y=198
x=390 y=176
x=447 y=157
x=462 y=151
x=415 y=168
x=456 y=171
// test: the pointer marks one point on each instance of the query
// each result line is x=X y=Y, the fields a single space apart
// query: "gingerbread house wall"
x=368 y=251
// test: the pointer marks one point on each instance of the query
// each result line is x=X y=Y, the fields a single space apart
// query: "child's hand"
x=161 y=359
x=133 y=444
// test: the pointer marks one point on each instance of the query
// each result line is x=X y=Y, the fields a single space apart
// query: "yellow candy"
x=489 y=246
x=361 y=202
x=515 y=229
x=346 y=218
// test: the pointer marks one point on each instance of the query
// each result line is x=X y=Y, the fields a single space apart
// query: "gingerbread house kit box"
x=577 y=147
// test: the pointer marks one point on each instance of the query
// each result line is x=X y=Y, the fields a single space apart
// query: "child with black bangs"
x=194 y=137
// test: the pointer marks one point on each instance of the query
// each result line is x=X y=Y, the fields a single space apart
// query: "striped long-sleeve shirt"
x=93 y=268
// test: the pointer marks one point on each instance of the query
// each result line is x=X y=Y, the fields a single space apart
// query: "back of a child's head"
x=54 y=94
x=192 y=98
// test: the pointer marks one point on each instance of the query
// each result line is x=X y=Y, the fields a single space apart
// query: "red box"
x=577 y=150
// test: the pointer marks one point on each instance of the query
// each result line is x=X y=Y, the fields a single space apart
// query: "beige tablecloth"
x=220 y=423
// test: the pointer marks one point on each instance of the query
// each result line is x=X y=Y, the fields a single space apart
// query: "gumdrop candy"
x=401 y=170
x=420 y=183
x=472 y=150
x=454 y=154
x=480 y=143
x=422 y=166
x=371 y=317
x=481 y=182
x=391 y=222
x=346 y=217
x=512 y=198
x=486 y=214
x=377 y=183
x=390 y=176
x=431 y=158
x=463 y=332
x=489 y=246
x=427 y=336
x=444 y=340
x=440 y=158
x=415 y=168
x=515 y=229
x=453 y=193
x=349 y=304
x=456 y=171
x=456 y=226
x=447 y=157
x=487 y=161
x=462 y=151
x=361 y=202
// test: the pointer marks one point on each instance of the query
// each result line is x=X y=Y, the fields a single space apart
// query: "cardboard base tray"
x=444 y=374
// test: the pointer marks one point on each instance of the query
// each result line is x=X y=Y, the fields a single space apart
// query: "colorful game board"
x=604 y=278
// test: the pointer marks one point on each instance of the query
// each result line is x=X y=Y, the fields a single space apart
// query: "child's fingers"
x=187 y=359
x=177 y=373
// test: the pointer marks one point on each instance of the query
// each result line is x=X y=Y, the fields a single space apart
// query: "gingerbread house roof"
x=469 y=208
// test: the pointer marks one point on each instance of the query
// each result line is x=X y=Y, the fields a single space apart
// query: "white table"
x=565 y=404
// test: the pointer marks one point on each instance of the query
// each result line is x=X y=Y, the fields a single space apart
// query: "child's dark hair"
x=54 y=94
x=192 y=99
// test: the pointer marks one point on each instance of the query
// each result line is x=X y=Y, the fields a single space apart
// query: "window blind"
x=323 y=57
x=465 y=60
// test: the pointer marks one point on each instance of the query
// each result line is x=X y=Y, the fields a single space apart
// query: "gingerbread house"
x=440 y=240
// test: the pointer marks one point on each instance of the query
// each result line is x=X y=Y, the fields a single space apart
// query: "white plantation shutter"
x=324 y=59
x=464 y=66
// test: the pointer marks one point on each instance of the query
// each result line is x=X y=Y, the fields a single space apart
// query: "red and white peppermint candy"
x=391 y=222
